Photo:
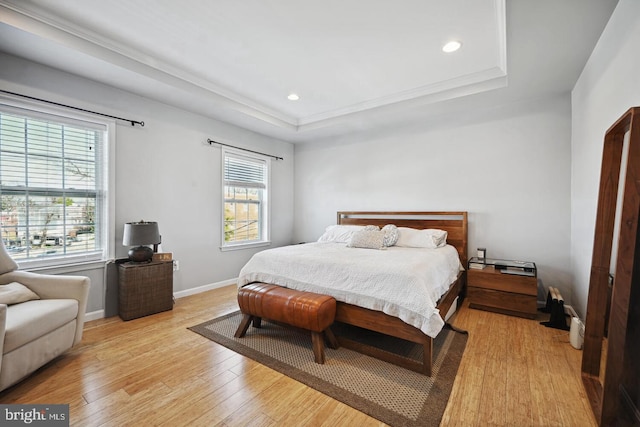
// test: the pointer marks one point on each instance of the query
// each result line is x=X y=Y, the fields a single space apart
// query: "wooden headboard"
x=454 y=223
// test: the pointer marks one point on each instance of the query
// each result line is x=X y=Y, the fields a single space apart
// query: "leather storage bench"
x=305 y=310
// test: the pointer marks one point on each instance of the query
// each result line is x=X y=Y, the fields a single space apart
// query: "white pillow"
x=429 y=238
x=367 y=239
x=14 y=293
x=339 y=233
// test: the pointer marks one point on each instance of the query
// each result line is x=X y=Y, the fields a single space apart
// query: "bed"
x=418 y=320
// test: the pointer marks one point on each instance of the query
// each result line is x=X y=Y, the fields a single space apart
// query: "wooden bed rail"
x=455 y=224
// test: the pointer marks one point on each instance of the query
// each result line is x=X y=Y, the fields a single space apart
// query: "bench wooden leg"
x=318 y=347
x=257 y=322
x=332 y=342
x=244 y=325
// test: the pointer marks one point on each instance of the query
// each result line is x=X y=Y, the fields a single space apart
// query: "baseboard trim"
x=204 y=288
x=99 y=314
x=94 y=315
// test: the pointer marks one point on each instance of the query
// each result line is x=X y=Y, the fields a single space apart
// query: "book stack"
x=477 y=265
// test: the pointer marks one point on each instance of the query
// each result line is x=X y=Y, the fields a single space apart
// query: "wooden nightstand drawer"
x=490 y=278
x=496 y=290
x=502 y=302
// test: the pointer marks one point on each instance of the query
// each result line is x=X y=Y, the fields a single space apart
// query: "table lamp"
x=140 y=234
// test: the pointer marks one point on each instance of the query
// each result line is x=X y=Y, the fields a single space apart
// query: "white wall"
x=508 y=166
x=166 y=173
x=608 y=86
x=526 y=173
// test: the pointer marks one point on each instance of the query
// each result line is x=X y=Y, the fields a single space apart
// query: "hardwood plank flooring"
x=153 y=371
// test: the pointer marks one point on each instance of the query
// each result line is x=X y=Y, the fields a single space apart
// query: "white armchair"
x=34 y=332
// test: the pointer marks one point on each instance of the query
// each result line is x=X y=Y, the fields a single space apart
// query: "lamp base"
x=140 y=254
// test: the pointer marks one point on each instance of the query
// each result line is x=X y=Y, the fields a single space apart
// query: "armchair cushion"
x=32 y=319
x=49 y=286
x=15 y=293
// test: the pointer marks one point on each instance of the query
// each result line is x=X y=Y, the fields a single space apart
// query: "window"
x=245 y=182
x=52 y=187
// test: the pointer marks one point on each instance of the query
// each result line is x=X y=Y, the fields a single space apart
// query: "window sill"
x=244 y=246
x=64 y=268
x=66 y=263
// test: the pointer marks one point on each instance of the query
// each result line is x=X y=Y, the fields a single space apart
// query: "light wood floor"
x=153 y=371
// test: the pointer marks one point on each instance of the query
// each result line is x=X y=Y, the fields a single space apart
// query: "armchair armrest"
x=50 y=286
x=3 y=327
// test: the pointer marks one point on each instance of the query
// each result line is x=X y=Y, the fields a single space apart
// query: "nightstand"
x=503 y=286
x=144 y=288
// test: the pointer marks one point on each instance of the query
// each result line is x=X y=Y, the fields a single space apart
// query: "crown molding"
x=481 y=81
x=71 y=37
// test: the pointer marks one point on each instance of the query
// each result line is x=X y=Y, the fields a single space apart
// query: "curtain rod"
x=211 y=141
x=133 y=122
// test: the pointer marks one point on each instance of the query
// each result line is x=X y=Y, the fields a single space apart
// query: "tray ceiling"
x=239 y=60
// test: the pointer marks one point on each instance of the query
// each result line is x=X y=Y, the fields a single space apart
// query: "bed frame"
x=455 y=223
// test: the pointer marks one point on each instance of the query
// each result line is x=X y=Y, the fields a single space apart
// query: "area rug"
x=393 y=395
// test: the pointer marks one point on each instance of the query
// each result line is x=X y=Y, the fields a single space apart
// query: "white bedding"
x=402 y=282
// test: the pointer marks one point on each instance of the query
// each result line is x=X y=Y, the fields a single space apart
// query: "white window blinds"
x=51 y=175
x=244 y=172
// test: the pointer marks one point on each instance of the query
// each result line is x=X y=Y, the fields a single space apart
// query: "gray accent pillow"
x=15 y=293
x=367 y=239
x=391 y=234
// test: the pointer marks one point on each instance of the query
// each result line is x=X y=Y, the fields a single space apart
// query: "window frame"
x=105 y=180
x=265 y=213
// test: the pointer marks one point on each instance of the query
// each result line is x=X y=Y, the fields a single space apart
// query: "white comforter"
x=402 y=282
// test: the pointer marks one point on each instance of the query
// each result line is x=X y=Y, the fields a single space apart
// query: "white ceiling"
x=352 y=62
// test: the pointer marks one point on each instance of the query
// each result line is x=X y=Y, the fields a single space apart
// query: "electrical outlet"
x=176 y=265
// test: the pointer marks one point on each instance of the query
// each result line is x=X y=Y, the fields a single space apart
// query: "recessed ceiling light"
x=293 y=97
x=452 y=46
